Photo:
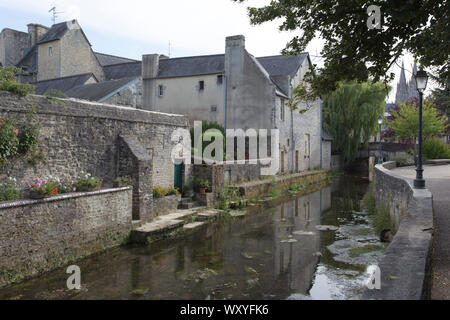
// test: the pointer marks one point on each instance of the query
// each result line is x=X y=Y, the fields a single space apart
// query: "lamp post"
x=380 y=157
x=421 y=83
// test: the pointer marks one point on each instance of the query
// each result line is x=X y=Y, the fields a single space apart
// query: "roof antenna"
x=55 y=14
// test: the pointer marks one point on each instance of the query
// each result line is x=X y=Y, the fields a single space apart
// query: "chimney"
x=235 y=41
x=36 y=31
x=150 y=69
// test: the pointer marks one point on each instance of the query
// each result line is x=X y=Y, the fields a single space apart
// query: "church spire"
x=402 y=87
x=412 y=88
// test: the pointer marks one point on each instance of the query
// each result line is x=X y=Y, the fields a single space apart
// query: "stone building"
x=61 y=58
x=240 y=91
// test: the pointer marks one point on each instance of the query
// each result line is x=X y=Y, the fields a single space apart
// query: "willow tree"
x=350 y=116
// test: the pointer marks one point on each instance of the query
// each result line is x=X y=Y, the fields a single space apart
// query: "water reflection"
x=270 y=253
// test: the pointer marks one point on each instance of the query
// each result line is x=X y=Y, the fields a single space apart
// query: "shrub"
x=404 y=159
x=9 y=190
x=8 y=81
x=435 y=148
x=172 y=191
x=28 y=137
x=9 y=141
x=274 y=193
x=159 y=192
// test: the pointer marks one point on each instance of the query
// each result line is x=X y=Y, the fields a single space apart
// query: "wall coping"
x=88 y=109
x=72 y=195
x=405 y=266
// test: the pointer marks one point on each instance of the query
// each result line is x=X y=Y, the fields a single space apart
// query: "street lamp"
x=380 y=157
x=421 y=84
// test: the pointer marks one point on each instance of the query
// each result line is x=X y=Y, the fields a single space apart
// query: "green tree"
x=352 y=51
x=350 y=116
x=406 y=119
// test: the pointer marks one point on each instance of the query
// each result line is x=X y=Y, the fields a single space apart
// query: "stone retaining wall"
x=40 y=235
x=405 y=268
x=256 y=188
x=166 y=205
x=104 y=140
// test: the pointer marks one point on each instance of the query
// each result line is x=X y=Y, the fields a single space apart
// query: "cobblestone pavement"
x=438 y=182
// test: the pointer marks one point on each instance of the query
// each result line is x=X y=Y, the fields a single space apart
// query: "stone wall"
x=12 y=46
x=40 y=235
x=166 y=205
x=408 y=256
x=82 y=136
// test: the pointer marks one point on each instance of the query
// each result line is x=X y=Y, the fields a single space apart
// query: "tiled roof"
x=191 y=66
x=282 y=65
x=123 y=70
x=108 y=60
x=97 y=91
x=63 y=84
x=56 y=32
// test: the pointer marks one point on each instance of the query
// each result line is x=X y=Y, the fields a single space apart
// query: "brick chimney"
x=36 y=31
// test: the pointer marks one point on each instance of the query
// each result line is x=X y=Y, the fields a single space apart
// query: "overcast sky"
x=131 y=28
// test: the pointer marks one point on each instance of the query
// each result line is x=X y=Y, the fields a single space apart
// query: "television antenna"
x=55 y=14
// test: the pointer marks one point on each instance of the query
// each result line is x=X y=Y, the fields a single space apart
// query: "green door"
x=177 y=177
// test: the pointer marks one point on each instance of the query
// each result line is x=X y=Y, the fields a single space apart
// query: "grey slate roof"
x=123 y=70
x=29 y=60
x=63 y=84
x=97 y=91
x=108 y=60
x=191 y=66
x=282 y=65
x=56 y=32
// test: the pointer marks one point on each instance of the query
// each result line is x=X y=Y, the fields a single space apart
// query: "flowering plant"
x=159 y=192
x=45 y=188
x=9 y=141
x=86 y=182
x=126 y=180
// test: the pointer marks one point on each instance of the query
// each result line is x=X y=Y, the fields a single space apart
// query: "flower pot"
x=120 y=184
x=36 y=195
x=202 y=190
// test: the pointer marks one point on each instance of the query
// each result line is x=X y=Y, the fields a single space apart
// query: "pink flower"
x=16 y=132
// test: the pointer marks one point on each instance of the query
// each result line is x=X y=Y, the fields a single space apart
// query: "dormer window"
x=50 y=51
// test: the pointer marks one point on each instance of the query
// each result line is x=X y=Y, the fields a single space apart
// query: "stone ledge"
x=405 y=267
x=72 y=195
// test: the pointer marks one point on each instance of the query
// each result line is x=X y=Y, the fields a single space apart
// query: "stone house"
x=61 y=58
x=240 y=91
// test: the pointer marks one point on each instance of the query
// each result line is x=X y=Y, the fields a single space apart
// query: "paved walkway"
x=437 y=179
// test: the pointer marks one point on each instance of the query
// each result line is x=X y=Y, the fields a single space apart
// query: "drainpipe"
x=225 y=102
x=292 y=142
x=320 y=117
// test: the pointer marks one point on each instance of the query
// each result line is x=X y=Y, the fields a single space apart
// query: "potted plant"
x=124 y=181
x=85 y=182
x=42 y=188
x=202 y=184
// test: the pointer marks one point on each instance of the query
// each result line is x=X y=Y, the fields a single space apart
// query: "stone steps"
x=164 y=225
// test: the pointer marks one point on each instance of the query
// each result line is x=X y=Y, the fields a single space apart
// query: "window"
x=282 y=110
x=201 y=85
x=50 y=51
x=219 y=79
x=160 y=90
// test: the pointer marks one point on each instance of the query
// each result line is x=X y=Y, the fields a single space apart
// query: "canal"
x=314 y=246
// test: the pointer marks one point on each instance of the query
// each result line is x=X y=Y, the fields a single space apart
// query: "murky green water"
x=270 y=253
